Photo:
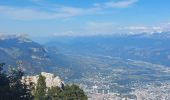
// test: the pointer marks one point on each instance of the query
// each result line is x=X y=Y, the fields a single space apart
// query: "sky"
x=83 y=17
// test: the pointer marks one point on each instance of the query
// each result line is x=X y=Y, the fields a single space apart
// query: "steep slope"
x=35 y=57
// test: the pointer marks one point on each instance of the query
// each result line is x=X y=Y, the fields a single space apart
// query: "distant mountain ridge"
x=153 y=47
x=64 y=55
x=15 y=47
x=34 y=56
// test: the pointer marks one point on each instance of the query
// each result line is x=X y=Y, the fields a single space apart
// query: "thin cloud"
x=119 y=4
x=110 y=28
x=29 y=13
x=35 y=14
x=64 y=33
x=57 y=11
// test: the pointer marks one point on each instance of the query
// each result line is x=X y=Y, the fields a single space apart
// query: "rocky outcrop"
x=51 y=80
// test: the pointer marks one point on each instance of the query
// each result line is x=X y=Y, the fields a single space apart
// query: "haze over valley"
x=119 y=64
x=85 y=49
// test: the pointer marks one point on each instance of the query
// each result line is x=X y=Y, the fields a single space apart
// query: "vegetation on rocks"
x=12 y=88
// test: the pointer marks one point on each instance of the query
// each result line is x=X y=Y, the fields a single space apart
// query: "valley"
x=117 y=66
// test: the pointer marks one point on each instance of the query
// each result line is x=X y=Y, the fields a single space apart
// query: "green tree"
x=40 y=90
x=73 y=92
x=11 y=85
x=69 y=92
x=54 y=93
x=4 y=84
x=18 y=89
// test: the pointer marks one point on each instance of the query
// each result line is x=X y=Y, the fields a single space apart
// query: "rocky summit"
x=50 y=79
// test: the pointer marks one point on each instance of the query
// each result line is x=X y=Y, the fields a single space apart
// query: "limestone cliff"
x=51 y=80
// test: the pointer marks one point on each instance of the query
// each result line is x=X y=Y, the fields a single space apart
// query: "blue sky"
x=83 y=17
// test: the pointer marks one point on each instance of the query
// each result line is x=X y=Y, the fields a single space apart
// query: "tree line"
x=11 y=88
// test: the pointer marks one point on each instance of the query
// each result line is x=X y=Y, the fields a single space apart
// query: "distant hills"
x=122 y=59
x=151 y=47
x=69 y=56
x=34 y=56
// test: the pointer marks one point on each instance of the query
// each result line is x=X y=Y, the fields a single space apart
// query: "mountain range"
x=67 y=55
x=153 y=47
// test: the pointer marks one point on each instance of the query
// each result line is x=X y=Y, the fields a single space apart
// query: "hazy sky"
x=83 y=17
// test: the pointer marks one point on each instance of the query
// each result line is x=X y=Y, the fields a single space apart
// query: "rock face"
x=51 y=80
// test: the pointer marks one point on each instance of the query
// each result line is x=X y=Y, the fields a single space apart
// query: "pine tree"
x=40 y=90
x=4 y=84
x=73 y=92
x=54 y=93
x=11 y=86
x=18 y=90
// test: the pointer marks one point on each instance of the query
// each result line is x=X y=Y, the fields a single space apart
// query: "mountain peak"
x=20 y=37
